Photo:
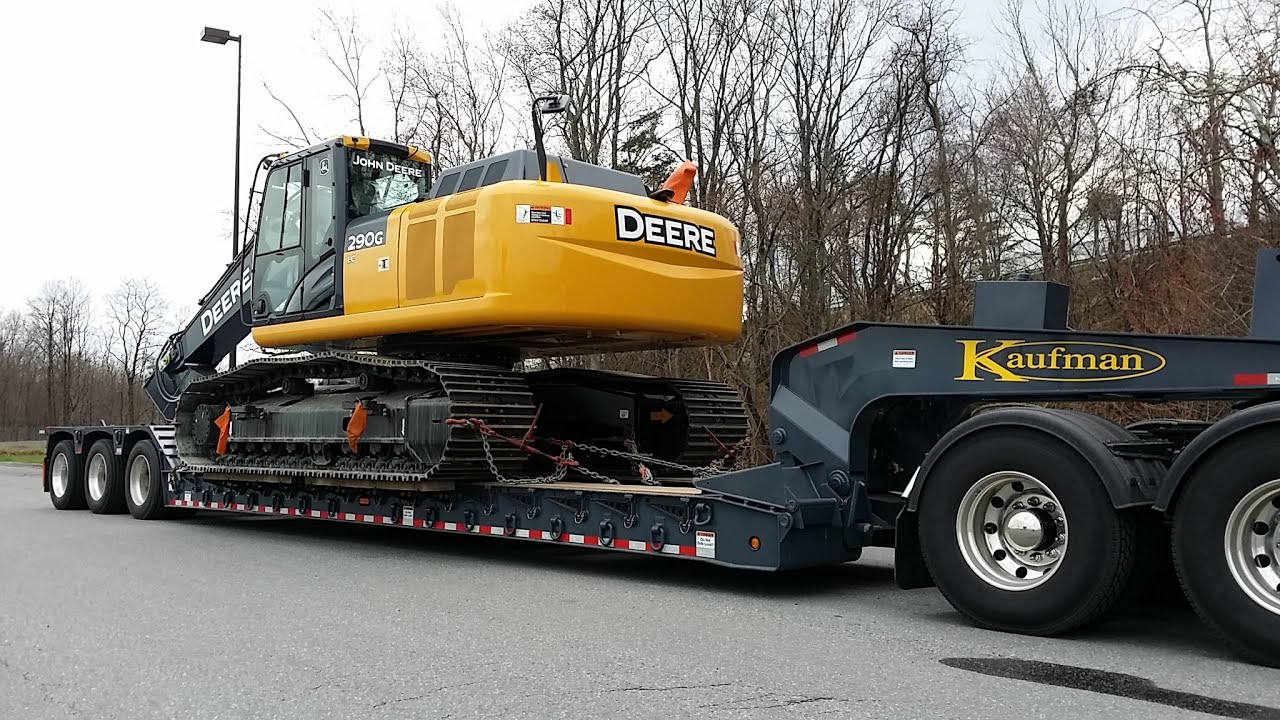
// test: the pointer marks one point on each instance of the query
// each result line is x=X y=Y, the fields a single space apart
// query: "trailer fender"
x=1257 y=417
x=1129 y=483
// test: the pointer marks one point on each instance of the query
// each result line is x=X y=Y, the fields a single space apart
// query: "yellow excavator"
x=409 y=311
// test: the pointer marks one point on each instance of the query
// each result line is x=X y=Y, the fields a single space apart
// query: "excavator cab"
x=308 y=201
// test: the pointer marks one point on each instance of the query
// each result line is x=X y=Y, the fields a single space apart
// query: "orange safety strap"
x=224 y=430
x=356 y=425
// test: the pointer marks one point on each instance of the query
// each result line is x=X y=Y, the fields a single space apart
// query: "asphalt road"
x=226 y=616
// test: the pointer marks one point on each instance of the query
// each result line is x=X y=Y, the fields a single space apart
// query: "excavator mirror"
x=549 y=104
x=545 y=105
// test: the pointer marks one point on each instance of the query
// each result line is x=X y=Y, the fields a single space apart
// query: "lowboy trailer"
x=948 y=444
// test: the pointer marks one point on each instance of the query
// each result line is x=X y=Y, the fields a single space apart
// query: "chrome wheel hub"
x=97 y=476
x=139 y=480
x=1025 y=530
x=60 y=475
x=1012 y=530
x=1252 y=545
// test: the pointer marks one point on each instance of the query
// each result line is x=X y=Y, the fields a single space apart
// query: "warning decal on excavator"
x=544 y=214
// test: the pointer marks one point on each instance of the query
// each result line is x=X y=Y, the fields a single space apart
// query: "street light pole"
x=235 y=219
x=221 y=37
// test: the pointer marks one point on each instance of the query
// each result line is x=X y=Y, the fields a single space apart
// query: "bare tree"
x=829 y=77
x=42 y=317
x=1048 y=125
x=74 y=321
x=698 y=41
x=60 y=322
x=135 y=316
x=302 y=139
x=594 y=50
x=348 y=60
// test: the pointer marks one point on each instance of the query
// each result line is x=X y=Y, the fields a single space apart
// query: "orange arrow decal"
x=661 y=416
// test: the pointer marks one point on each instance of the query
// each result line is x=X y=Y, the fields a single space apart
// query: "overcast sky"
x=119 y=126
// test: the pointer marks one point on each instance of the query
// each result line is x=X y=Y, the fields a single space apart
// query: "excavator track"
x=717 y=420
x=496 y=396
x=424 y=417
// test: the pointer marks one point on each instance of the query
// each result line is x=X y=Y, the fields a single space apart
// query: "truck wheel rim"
x=60 y=475
x=97 y=476
x=1253 y=545
x=1012 y=530
x=139 y=480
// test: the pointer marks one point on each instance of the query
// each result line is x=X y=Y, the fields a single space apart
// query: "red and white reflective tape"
x=828 y=344
x=410 y=521
x=1257 y=378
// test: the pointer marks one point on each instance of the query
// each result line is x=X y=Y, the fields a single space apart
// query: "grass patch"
x=22 y=452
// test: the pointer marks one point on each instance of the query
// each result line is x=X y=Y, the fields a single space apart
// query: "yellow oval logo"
x=1048 y=361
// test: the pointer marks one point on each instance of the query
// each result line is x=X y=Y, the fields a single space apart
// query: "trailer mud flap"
x=909 y=569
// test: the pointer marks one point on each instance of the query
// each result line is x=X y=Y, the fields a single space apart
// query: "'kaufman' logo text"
x=1047 y=361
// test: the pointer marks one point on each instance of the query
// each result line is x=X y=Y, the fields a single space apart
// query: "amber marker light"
x=754 y=542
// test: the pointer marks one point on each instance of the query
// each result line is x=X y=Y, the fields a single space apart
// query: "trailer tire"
x=1228 y=569
x=1056 y=502
x=144 y=492
x=103 y=486
x=66 y=481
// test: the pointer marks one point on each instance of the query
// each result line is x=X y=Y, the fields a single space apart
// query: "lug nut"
x=1036 y=556
x=1018 y=505
x=1053 y=552
x=1034 y=502
x=1050 y=507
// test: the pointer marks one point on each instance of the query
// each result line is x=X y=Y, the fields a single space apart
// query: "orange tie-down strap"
x=224 y=430
x=356 y=425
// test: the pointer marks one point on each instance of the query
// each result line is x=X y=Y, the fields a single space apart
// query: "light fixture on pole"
x=221 y=37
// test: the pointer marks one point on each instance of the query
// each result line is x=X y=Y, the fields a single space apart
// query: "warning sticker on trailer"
x=406 y=517
x=904 y=358
x=544 y=214
x=705 y=545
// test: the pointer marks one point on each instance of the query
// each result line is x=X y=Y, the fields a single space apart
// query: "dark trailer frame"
x=865 y=422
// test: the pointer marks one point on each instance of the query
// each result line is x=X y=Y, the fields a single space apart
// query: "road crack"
x=797 y=701
x=770 y=701
x=429 y=693
x=668 y=688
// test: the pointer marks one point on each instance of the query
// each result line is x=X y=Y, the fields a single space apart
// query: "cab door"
x=277 y=265
x=295 y=269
